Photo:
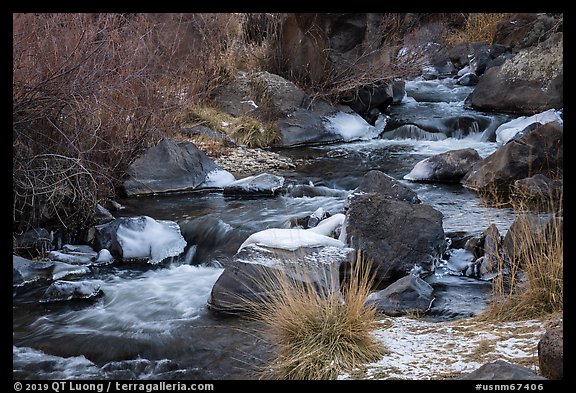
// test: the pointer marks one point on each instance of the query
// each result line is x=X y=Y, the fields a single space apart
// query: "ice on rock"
x=157 y=240
x=421 y=171
x=218 y=178
x=290 y=239
x=507 y=131
x=328 y=226
x=352 y=126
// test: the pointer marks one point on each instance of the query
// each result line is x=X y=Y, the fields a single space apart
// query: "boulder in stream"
x=140 y=238
x=383 y=184
x=396 y=235
x=257 y=273
x=450 y=166
x=167 y=167
x=538 y=152
x=264 y=184
x=61 y=291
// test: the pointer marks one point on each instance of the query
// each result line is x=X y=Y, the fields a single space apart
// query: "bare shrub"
x=90 y=91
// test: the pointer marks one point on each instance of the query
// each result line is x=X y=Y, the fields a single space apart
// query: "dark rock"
x=140 y=238
x=475 y=244
x=27 y=271
x=111 y=205
x=411 y=131
x=398 y=91
x=364 y=99
x=255 y=275
x=304 y=190
x=305 y=127
x=537 y=228
x=501 y=370
x=538 y=152
x=523 y=30
x=551 y=351
x=528 y=83
x=450 y=166
x=168 y=166
x=236 y=97
x=492 y=258
x=35 y=242
x=468 y=79
x=479 y=61
x=497 y=50
x=398 y=236
x=102 y=215
x=460 y=54
x=498 y=61
x=538 y=187
x=264 y=184
x=61 y=291
x=378 y=182
x=442 y=63
x=408 y=294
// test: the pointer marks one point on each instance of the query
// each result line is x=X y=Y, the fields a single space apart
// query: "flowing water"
x=152 y=322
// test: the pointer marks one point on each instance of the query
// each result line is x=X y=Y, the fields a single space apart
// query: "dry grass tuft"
x=478 y=27
x=534 y=287
x=244 y=130
x=319 y=333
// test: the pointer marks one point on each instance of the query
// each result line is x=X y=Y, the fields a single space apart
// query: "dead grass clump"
x=534 y=286
x=320 y=334
x=478 y=27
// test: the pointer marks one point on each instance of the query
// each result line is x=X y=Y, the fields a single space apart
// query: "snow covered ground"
x=420 y=350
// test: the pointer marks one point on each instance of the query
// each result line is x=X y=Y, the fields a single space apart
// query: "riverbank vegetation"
x=530 y=283
x=319 y=333
x=91 y=91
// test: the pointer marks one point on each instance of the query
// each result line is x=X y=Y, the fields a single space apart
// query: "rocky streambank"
x=244 y=212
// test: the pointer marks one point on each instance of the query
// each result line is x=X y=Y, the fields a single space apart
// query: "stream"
x=152 y=322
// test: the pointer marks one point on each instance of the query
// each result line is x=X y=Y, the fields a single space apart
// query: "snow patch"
x=421 y=171
x=328 y=226
x=430 y=350
x=508 y=130
x=352 y=126
x=218 y=178
x=290 y=239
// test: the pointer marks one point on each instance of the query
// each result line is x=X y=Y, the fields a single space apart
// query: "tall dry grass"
x=478 y=27
x=317 y=332
x=531 y=280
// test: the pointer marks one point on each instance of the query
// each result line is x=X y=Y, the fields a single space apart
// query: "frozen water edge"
x=420 y=350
